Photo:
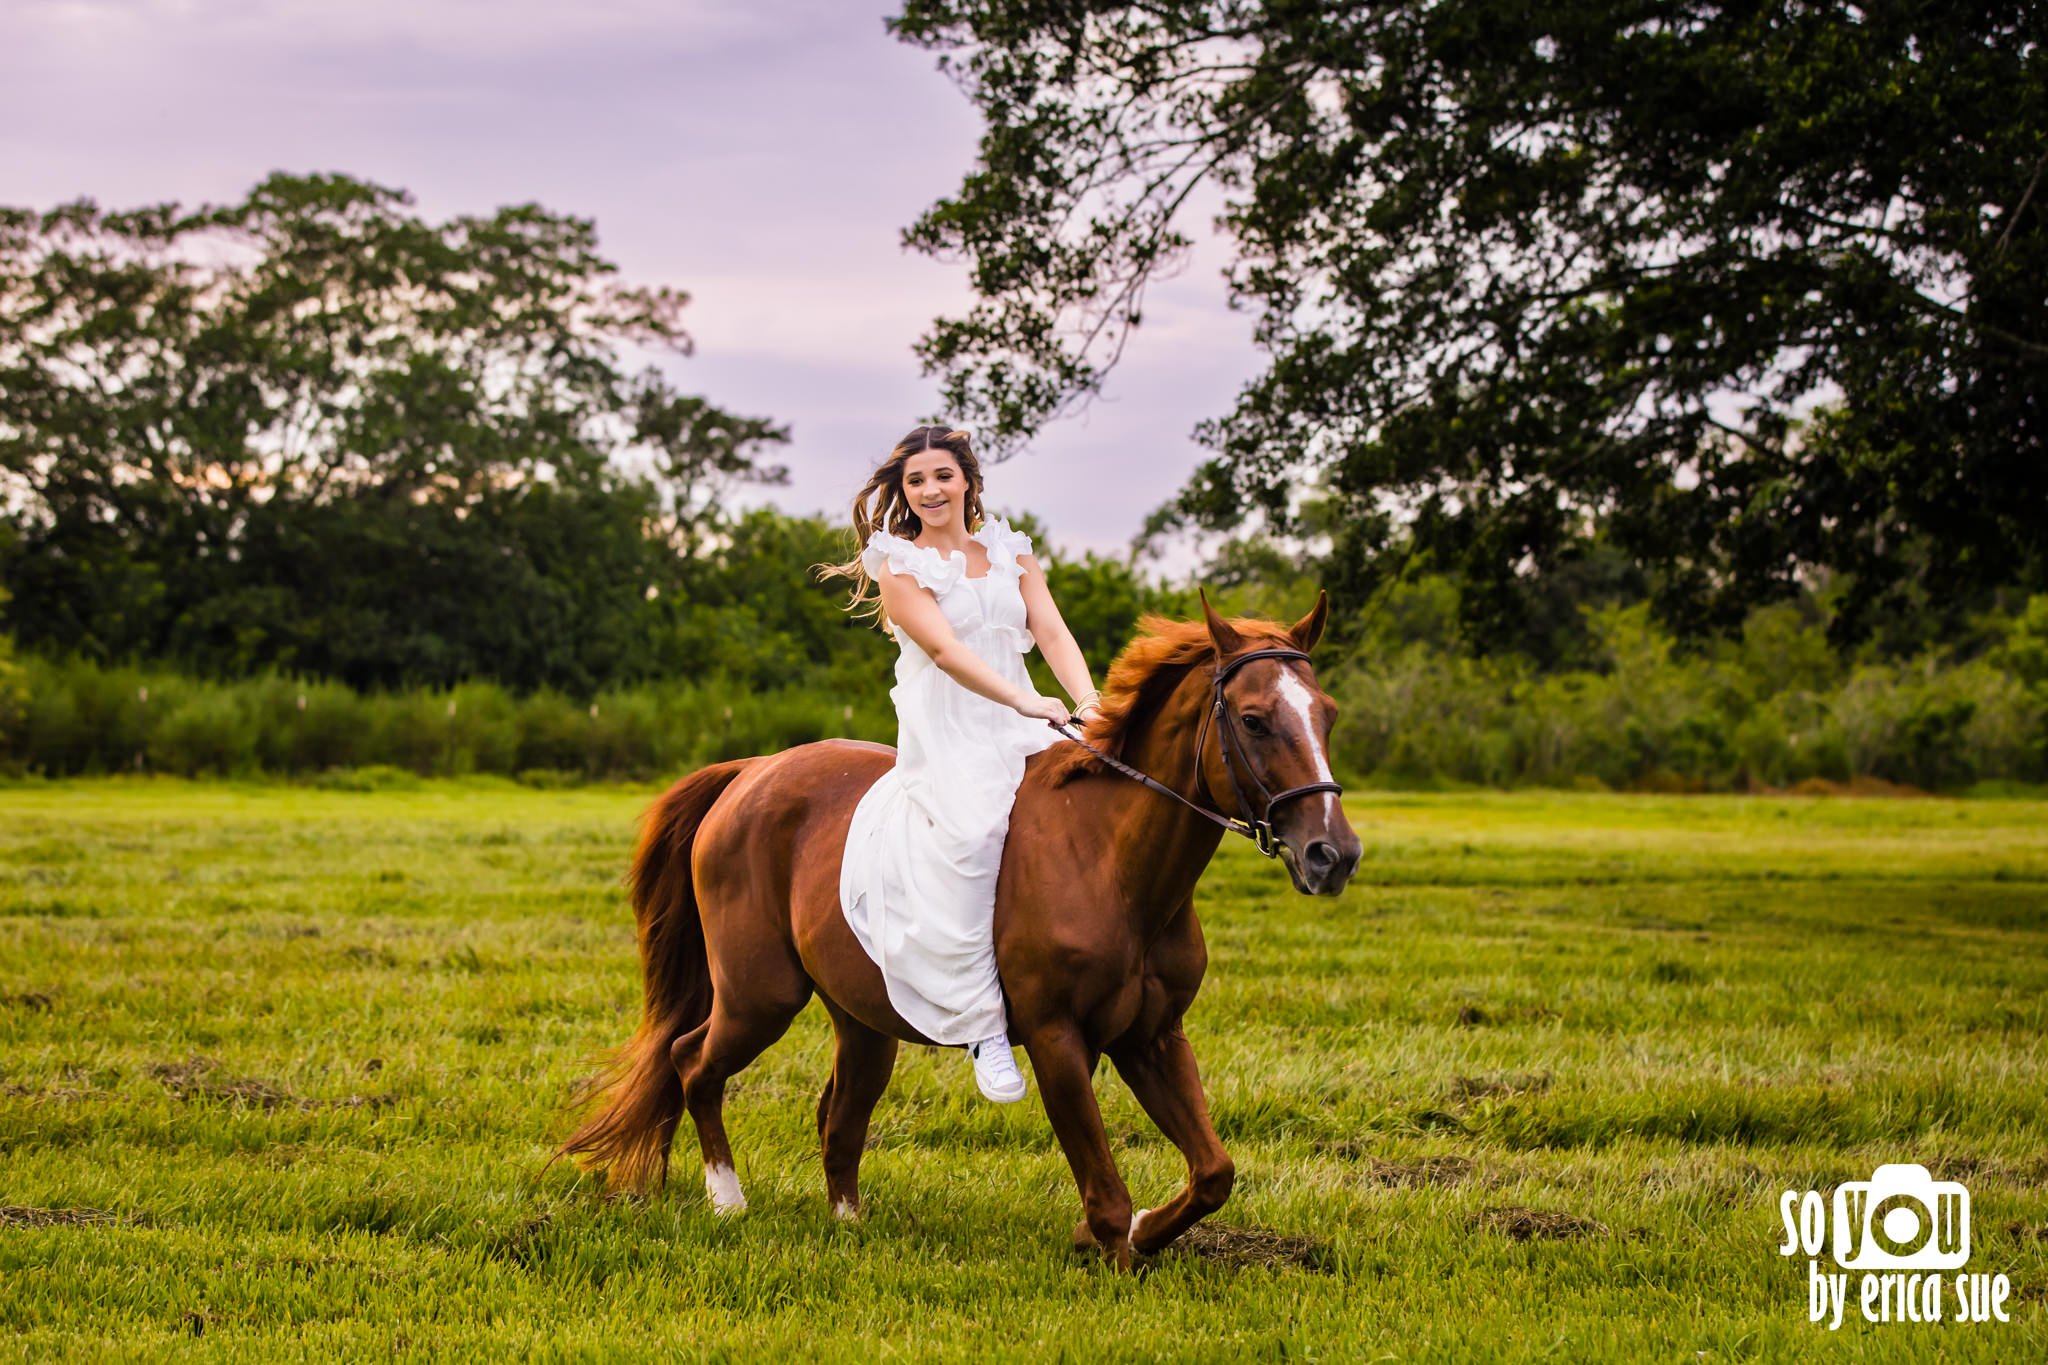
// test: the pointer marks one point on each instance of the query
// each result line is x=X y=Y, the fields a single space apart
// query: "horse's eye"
x=1254 y=725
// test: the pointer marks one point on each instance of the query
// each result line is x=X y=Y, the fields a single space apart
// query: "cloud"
x=466 y=30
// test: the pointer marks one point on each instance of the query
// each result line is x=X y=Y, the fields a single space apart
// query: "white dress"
x=918 y=884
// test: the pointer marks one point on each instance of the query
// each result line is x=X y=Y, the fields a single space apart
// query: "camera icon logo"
x=1902 y=1218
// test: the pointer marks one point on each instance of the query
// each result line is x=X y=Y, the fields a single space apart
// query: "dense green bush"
x=1771 y=709
x=81 y=718
x=13 y=694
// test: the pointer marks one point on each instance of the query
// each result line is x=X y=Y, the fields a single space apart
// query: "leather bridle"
x=1259 y=831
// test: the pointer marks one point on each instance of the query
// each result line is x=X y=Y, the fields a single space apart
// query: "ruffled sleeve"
x=897 y=555
x=1005 y=546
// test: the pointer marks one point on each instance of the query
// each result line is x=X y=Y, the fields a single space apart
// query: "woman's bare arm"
x=916 y=613
x=1055 y=641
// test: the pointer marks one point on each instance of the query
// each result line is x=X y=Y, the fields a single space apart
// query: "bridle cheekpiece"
x=1260 y=830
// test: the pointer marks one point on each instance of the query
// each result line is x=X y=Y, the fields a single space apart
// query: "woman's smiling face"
x=935 y=487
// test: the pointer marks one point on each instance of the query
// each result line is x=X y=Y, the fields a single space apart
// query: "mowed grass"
x=280 y=1071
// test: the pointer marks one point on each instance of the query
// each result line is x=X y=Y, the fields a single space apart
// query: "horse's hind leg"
x=861 y=1062
x=1161 y=1073
x=713 y=1053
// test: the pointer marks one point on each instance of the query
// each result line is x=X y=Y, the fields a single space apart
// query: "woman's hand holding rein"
x=1049 y=708
x=1041 y=708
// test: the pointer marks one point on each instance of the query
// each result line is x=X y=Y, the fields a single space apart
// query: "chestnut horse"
x=736 y=890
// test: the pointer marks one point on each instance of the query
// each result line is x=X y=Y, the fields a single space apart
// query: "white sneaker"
x=995 y=1070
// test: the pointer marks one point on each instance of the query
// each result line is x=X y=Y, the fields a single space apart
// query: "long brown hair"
x=882 y=505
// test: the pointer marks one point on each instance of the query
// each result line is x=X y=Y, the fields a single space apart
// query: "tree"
x=13 y=692
x=1742 y=290
x=753 y=611
x=313 y=430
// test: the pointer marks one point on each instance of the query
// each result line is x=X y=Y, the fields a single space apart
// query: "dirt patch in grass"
x=518 y=1244
x=1430 y=1172
x=82 y=1084
x=63 y=1094
x=1480 y=1016
x=35 y=1002
x=17 y=1216
x=1525 y=1225
x=1237 y=1248
x=197 y=1080
x=1430 y=1119
x=1464 y=1089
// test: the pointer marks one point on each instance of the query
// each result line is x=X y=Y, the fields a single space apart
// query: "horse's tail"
x=629 y=1140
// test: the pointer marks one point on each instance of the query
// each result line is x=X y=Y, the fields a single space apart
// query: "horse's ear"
x=1221 y=633
x=1309 y=628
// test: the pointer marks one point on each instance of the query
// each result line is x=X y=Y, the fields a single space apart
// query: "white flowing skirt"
x=918 y=884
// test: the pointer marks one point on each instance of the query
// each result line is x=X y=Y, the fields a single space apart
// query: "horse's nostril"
x=1321 y=854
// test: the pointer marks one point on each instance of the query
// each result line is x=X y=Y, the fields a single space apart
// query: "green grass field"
x=280 y=1069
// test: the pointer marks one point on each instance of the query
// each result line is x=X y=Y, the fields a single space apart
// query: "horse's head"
x=1272 y=733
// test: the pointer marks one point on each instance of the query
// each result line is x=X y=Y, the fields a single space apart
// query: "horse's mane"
x=1145 y=672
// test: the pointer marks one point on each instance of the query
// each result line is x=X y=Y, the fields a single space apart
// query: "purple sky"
x=762 y=155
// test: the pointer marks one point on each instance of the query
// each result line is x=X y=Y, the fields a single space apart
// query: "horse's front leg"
x=1064 y=1067
x=1161 y=1072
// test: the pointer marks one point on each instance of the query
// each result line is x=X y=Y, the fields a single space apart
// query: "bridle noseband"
x=1259 y=831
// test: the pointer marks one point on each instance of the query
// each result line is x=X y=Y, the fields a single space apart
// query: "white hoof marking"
x=722 y=1183
x=1136 y=1219
x=847 y=1211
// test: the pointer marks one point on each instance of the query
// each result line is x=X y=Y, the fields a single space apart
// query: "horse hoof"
x=722 y=1184
x=846 y=1210
x=1121 y=1255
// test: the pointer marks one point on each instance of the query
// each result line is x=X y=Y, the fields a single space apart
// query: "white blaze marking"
x=1136 y=1219
x=722 y=1183
x=1295 y=694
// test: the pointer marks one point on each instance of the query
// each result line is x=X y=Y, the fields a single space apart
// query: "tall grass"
x=83 y=718
x=1772 y=710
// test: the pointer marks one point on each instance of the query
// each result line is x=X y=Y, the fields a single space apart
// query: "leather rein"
x=1259 y=831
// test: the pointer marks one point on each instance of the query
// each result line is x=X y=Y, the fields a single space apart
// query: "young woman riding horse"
x=737 y=884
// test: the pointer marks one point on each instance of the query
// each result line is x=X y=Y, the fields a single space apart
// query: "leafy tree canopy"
x=1741 y=292
x=314 y=430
